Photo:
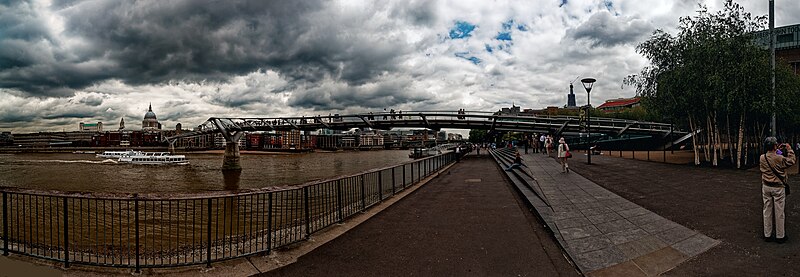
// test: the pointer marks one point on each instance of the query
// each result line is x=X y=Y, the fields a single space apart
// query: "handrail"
x=107 y=229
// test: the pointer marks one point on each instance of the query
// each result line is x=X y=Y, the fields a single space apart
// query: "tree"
x=713 y=77
x=477 y=136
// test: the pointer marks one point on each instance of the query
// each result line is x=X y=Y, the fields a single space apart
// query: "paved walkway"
x=605 y=234
x=466 y=222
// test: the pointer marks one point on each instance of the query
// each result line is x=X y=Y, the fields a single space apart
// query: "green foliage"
x=713 y=74
x=477 y=136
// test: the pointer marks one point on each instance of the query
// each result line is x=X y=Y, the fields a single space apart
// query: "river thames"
x=85 y=172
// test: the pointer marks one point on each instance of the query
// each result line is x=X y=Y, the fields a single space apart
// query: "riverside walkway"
x=605 y=234
x=469 y=222
x=466 y=222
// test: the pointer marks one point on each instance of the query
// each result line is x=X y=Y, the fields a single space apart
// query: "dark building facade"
x=787 y=47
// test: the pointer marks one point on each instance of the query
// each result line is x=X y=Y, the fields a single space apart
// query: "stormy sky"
x=63 y=62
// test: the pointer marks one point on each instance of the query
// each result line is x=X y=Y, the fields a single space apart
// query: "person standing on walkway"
x=549 y=144
x=458 y=153
x=562 y=155
x=541 y=144
x=773 y=192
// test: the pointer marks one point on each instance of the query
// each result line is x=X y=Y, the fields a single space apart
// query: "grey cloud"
x=154 y=42
x=92 y=100
x=71 y=114
x=389 y=93
x=418 y=12
x=606 y=30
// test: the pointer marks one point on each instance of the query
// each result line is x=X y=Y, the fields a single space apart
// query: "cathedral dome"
x=150 y=115
x=150 y=123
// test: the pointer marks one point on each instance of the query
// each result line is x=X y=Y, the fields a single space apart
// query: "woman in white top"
x=562 y=154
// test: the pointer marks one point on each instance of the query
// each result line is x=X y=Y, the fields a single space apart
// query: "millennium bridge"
x=232 y=128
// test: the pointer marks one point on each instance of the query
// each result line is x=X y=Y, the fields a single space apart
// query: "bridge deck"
x=431 y=120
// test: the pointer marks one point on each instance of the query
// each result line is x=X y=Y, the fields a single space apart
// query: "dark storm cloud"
x=152 y=42
x=607 y=30
x=75 y=114
x=388 y=93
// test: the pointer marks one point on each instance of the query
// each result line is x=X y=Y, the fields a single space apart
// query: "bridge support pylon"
x=171 y=146
x=231 y=160
x=232 y=156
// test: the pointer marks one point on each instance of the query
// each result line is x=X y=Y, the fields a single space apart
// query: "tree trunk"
x=709 y=139
x=729 y=140
x=719 y=140
x=740 y=142
x=694 y=140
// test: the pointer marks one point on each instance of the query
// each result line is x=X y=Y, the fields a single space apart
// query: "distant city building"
x=80 y=138
x=441 y=136
x=329 y=142
x=513 y=111
x=370 y=140
x=41 y=139
x=291 y=139
x=787 y=47
x=613 y=105
x=454 y=137
x=570 y=97
x=121 y=123
x=150 y=122
x=90 y=127
x=6 y=138
x=349 y=141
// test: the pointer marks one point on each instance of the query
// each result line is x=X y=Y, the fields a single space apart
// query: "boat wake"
x=106 y=161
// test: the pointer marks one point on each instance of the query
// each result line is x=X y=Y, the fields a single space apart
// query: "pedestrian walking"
x=549 y=144
x=542 y=144
x=774 y=188
x=458 y=153
x=563 y=149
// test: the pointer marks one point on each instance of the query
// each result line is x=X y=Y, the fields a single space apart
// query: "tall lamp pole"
x=772 y=60
x=587 y=84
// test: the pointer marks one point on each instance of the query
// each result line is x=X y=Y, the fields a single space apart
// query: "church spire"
x=150 y=107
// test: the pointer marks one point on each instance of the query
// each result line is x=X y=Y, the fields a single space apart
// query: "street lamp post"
x=587 y=84
x=772 y=61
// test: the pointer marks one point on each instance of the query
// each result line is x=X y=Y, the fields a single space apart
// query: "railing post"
x=208 y=233
x=136 y=226
x=412 y=173
x=269 y=223
x=307 y=213
x=404 y=177
x=363 y=193
x=380 y=186
x=419 y=171
x=394 y=182
x=66 y=234
x=5 y=224
x=339 y=200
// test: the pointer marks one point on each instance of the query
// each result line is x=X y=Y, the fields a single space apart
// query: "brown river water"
x=85 y=172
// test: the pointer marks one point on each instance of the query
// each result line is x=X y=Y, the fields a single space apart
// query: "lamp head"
x=588 y=83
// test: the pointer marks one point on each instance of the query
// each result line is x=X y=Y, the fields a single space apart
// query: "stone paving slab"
x=605 y=234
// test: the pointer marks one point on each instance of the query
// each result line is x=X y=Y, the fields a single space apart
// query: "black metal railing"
x=142 y=231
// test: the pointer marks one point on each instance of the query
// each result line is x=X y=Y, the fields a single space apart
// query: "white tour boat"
x=118 y=154
x=154 y=158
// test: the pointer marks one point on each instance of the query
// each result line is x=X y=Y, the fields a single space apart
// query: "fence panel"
x=140 y=232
